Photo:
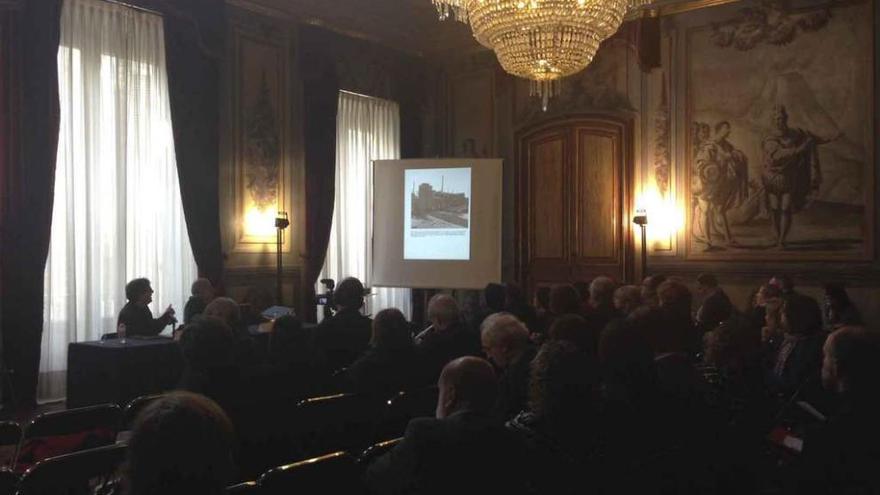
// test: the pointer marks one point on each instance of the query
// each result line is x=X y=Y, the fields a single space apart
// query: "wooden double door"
x=574 y=183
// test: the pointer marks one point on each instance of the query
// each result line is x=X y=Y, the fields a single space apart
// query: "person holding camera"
x=345 y=335
x=136 y=315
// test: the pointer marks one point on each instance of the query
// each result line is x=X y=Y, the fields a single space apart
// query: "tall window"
x=367 y=129
x=117 y=212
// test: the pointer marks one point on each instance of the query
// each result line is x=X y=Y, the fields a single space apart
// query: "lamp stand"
x=281 y=223
x=644 y=250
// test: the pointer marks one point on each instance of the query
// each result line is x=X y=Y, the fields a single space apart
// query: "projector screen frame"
x=389 y=268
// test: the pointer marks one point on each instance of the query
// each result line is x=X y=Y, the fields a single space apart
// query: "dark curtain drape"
x=194 y=49
x=320 y=103
x=31 y=179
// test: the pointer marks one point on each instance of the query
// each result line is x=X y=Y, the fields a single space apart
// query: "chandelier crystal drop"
x=451 y=9
x=541 y=40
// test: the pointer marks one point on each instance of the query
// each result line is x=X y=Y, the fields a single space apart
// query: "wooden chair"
x=64 y=432
x=332 y=473
x=377 y=450
x=246 y=488
x=405 y=406
x=337 y=422
x=84 y=472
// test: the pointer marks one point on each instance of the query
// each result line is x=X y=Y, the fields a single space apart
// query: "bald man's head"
x=466 y=383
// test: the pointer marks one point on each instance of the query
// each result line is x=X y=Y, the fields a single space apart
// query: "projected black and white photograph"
x=437 y=213
x=438 y=206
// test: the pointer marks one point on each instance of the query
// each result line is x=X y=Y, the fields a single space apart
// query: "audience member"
x=649 y=290
x=769 y=299
x=517 y=305
x=208 y=349
x=202 y=294
x=627 y=298
x=390 y=364
x=564 y=300
x=346 y=334
x=560 y=428
x=181 y=444
x=675 y=304
x=491 y=302
x=136 y=315
x=716 y=306
x=841 y=456
x=506 y=343
x=298 y=365
x=542 y=311
x=796 y=358
x=583 y=291
x=839 y=311
x=575 y=330
x=463 y=450
x=447 y=338
x=784 y=283
x=227 y=310
x=601 y=309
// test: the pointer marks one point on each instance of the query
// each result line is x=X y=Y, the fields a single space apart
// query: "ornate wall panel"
x=780 y=134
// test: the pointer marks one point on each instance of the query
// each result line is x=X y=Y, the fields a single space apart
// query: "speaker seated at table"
x=136 y=315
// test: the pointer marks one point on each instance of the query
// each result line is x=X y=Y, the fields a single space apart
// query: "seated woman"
x=136 y=315
x=796 y=359
x=389 y=364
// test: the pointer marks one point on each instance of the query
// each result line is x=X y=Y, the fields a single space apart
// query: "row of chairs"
x=97 y=470
x=61 y=432
x=341 y=422
x=336 y=472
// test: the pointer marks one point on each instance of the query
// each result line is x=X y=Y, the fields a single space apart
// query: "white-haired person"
x=448 y=337
x=505 y=341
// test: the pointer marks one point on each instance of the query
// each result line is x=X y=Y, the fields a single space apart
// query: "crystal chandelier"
x=540 y=40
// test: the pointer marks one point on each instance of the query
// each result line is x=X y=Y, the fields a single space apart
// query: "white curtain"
x=367 y=129
x=117 y=213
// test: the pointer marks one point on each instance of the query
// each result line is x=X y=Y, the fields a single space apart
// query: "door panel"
x=573 y=178
x=547 y=175
x=595 y=168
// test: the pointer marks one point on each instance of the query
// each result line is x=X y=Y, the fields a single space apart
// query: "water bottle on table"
x=120 y=333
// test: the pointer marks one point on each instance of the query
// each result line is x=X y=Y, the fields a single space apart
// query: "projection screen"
x=436 y=223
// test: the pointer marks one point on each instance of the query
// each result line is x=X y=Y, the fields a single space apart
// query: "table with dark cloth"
x=110 y=371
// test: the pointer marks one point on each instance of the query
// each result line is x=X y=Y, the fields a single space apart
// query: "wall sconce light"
x=281 y=223
x=641 y=219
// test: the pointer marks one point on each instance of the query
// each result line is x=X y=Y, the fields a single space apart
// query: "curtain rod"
x=135 y=7
x=365 y=96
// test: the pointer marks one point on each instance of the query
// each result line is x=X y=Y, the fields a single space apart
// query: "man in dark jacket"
x=841 y=456
x=345 y=335
x=716 y=306
x=464 y=450
x=136 y=315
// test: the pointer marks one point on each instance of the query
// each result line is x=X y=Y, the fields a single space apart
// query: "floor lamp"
x=281 y=223
x=641 y=219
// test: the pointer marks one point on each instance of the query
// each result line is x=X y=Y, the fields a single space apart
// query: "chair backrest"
x=82 y=472
x=10 y=437
x=63 y=432
x=331 y=473
x=337 y=422
x=246 y=488
x=133 y=408
x=405 y=406
x=377 y=450
x=130 y=413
